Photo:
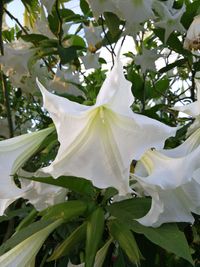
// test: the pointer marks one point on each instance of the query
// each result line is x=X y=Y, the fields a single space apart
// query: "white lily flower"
x=13 y=154
x=99 y=142
x=23 y=255
x=172 y=178
x=170 y=17
x=192 y=39
x=147 y=60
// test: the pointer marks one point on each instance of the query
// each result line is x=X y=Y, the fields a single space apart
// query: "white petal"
x=13 y=154
x=172 y=179
x=24 y=253
x=41 y=195
x=99 y=142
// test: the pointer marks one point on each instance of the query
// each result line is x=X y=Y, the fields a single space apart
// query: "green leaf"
x=130 y=209
x=67 y=245
x=126 y=240
x=67 y=210
x=95 y=227
x=67 y=54
x=178 y=63
x=34 y=38
x=84 y=7
x=109 y=192
x=167 y=236
x=77 y=41
x=75 y=184
x=113 y=23
x=24 y=234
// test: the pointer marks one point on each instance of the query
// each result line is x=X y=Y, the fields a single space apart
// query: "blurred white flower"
x=170 y=18
x=100 y=6
x=147 y=60
x=13 y=154
x=15 y=60
x=23 y=254
x=192 y=39
x=93 y=36
x=90 y=60
x=48 y=4
x=64 y=81
x=172 y=178
x=99 y=142
x=134 y=11
x=41 y=25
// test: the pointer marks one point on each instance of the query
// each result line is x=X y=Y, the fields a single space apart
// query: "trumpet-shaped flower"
x=23 y=255
x=13 y=154
x=99 y=142
x=192 y=39
x=170 y=17
x=172 y=178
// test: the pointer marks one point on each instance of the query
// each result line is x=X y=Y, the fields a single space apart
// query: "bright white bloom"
x=90 y=60
x=172 y=178
x=99 y=142
x=192 y=39
x=147 y=60
x=15 y=60
x=169 y=17
x=48 y=4
x=23 y=255
x=13 y=154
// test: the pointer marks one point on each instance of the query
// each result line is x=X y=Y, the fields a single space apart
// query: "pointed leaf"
x=67 y=210
x=68 y=244
x=126 y=240
x=95 y=227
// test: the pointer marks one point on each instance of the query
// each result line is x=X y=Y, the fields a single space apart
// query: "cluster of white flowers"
x=99 y=142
